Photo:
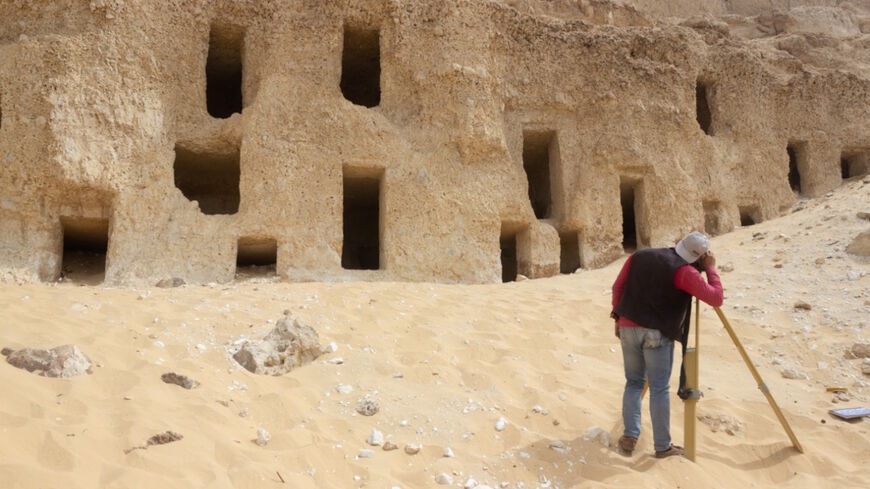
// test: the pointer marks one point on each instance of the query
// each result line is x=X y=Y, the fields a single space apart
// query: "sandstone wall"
x=99 y=98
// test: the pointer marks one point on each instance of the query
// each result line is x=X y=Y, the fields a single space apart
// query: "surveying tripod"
x=691 y=363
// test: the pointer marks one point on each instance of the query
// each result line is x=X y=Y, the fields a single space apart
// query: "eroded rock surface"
x=860 y=246
x=289 y=345
x=61 y=361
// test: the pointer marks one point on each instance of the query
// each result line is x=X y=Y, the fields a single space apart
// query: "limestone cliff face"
x=448 y=141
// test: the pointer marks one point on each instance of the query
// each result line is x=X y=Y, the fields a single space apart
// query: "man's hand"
x=708 y=260
x=616 y=328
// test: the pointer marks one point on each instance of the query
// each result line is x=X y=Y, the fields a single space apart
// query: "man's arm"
x=690 y=280
x=618 y=289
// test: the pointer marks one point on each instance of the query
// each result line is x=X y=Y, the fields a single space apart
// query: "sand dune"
x=444 y=362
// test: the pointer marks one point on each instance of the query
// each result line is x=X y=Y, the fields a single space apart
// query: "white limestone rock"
x=289 y=345
x=598 y=434
x=444 y=479
x=263 y=436
x=376 y=438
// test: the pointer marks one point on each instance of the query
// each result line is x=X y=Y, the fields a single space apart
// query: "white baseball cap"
x=693 y=246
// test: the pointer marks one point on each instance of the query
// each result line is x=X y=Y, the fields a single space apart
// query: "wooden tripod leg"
x=690 y=405
x=761 y=385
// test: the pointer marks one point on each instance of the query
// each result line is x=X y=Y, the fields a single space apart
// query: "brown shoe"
x=671 y=451
x=627 y=444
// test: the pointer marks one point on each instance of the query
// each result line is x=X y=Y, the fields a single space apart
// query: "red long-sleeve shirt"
x=687 y=279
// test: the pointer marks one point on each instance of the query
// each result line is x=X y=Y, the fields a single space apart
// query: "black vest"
x=650 y=298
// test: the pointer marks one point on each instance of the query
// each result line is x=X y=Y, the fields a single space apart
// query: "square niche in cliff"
x=854 y=163
x=256 y=257
x=702 y=107
x=569 y=259
x=508 y=245
x=537 y=146
x=210 y=179
x=714 y=218
x=361 y=66
x=223 y=70
x=85 y=242
x=797 y=165
x=749 y=215
x=361 y=218
x=629 y=188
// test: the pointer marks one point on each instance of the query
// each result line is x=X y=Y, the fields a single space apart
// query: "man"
x=652 y=297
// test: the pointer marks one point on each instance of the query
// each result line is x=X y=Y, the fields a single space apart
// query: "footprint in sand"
x=53 y=456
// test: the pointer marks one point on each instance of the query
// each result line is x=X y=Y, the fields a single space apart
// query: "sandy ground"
x=444 y=362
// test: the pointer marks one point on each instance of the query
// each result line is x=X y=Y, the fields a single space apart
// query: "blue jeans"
x=647 y=355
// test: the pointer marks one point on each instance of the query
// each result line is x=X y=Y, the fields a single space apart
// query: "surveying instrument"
x=690 y=403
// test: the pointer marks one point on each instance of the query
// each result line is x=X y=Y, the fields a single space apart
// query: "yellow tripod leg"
x=690 y=405
x=761 y=385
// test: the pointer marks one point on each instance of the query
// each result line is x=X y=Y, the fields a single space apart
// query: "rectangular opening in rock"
x=749 y=215
x=797 y=161
x=210 y=179
x=713 y=220
x=627 y=192
x=361 y=66
x=569 y=256
x=361 y=247
x=508 y=245
x=85 y=242
x=256 y=256
x=536 y=163
x=223 y=70
x=702 y=107
x=854 y=164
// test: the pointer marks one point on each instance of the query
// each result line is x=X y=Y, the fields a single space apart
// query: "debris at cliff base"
x=158 y=439
x=290 y=344
x=179 y=380
x=61 y=361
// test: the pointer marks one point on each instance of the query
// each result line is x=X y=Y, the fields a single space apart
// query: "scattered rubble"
x=558 y=446
x=444 y=479
x=793 y=374
x=598 y=434
x=367 y=407
x=263 y=436
x=170 y=283
x=290 y=344
x=179 y=380
x=158 y=439
x=860 y=246
x=376 y=438
x=722 y=422
x=858 y=350
x=61 y=361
